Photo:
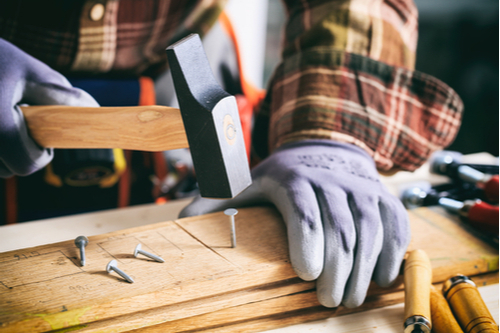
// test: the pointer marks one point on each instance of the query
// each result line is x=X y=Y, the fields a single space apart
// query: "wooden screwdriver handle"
x=468 y=306
x=147 y=128
x=443 y=320
x=417 y=281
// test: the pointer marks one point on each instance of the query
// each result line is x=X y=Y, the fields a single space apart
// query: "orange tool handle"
x=468 y=306
x=491 y=188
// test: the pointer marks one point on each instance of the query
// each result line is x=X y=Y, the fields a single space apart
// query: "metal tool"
x=81 y=242
x=417 y=281
x=448 y=163
x=209 y=122
x=138 y=250
x=468 y=305
x=480 y=214
x=231 y=212
x=112 y=267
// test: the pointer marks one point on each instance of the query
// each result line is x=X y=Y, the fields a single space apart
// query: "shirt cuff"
x=396 y=115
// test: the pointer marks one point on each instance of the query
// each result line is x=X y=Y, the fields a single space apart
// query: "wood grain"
x=147 y=128
x=417 y=281
x=443 y=320
x=470 y=310
x=44 y=288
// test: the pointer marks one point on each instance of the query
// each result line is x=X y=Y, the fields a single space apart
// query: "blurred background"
x=458 y=44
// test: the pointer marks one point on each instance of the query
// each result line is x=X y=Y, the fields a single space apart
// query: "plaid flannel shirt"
x=347 y=70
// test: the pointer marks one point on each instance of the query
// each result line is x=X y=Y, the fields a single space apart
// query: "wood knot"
x=150 y=115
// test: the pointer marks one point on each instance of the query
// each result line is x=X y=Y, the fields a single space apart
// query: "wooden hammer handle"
x=147 y=128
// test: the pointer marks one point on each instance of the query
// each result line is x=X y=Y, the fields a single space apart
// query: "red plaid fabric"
x=114 y=37
x=346 y=72
x=347 y=75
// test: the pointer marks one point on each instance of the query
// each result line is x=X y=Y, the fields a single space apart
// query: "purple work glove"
x=26 y=80
x=344 y=227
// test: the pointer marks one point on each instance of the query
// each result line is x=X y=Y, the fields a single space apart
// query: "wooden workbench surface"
x=204 y=283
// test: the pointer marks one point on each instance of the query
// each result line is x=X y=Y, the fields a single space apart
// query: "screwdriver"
x=443 y=320
x=447 y=164
x=481 y=214
x=468 y=305
x=417 y=282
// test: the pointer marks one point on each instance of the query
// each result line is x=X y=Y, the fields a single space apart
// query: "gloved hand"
x=25 y=80
x=343 y=225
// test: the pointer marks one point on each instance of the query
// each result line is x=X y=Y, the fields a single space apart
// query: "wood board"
x=44 y=288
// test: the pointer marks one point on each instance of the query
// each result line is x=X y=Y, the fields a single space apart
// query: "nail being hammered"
x=231 y=212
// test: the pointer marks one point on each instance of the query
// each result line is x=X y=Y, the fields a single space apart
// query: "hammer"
x=207 y=122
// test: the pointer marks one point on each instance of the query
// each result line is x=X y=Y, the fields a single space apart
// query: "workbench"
x=384 y=319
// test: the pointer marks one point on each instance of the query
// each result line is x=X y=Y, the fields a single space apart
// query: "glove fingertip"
x=328 y=302
x=307 y=258
x=189 y=210
x=354 y=301
x=201 y=206
x=307 y=275
x=328 y=294
x=386 y=275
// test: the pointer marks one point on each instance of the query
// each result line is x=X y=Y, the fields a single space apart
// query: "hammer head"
x=211 y=121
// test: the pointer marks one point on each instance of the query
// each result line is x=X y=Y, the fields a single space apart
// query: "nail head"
x=81 y=240
x=110 y=265
x=231 y=212
x=137 y=249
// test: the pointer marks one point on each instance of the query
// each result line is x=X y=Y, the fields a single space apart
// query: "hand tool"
x=491 y=169
x=417 y=282
x=481 y=214
x=459 y=191
x=81 y=242
x=448 y=164
x=442 y=317
x=468 y=306
x=208 y=119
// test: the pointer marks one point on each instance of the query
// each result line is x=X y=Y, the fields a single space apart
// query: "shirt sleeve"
x=347 y=74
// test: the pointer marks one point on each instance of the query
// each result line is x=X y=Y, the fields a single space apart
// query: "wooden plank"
x=192 y=271
x=202 y=273
x=284 y=311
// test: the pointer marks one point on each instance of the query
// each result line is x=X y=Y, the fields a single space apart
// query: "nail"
x=138 y=251
x=231 y=212
x=81 y=242
x=112 y=267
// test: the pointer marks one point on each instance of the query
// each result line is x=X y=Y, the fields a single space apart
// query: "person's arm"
x=343 y=103
x=26 y=80
x=347 y=74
